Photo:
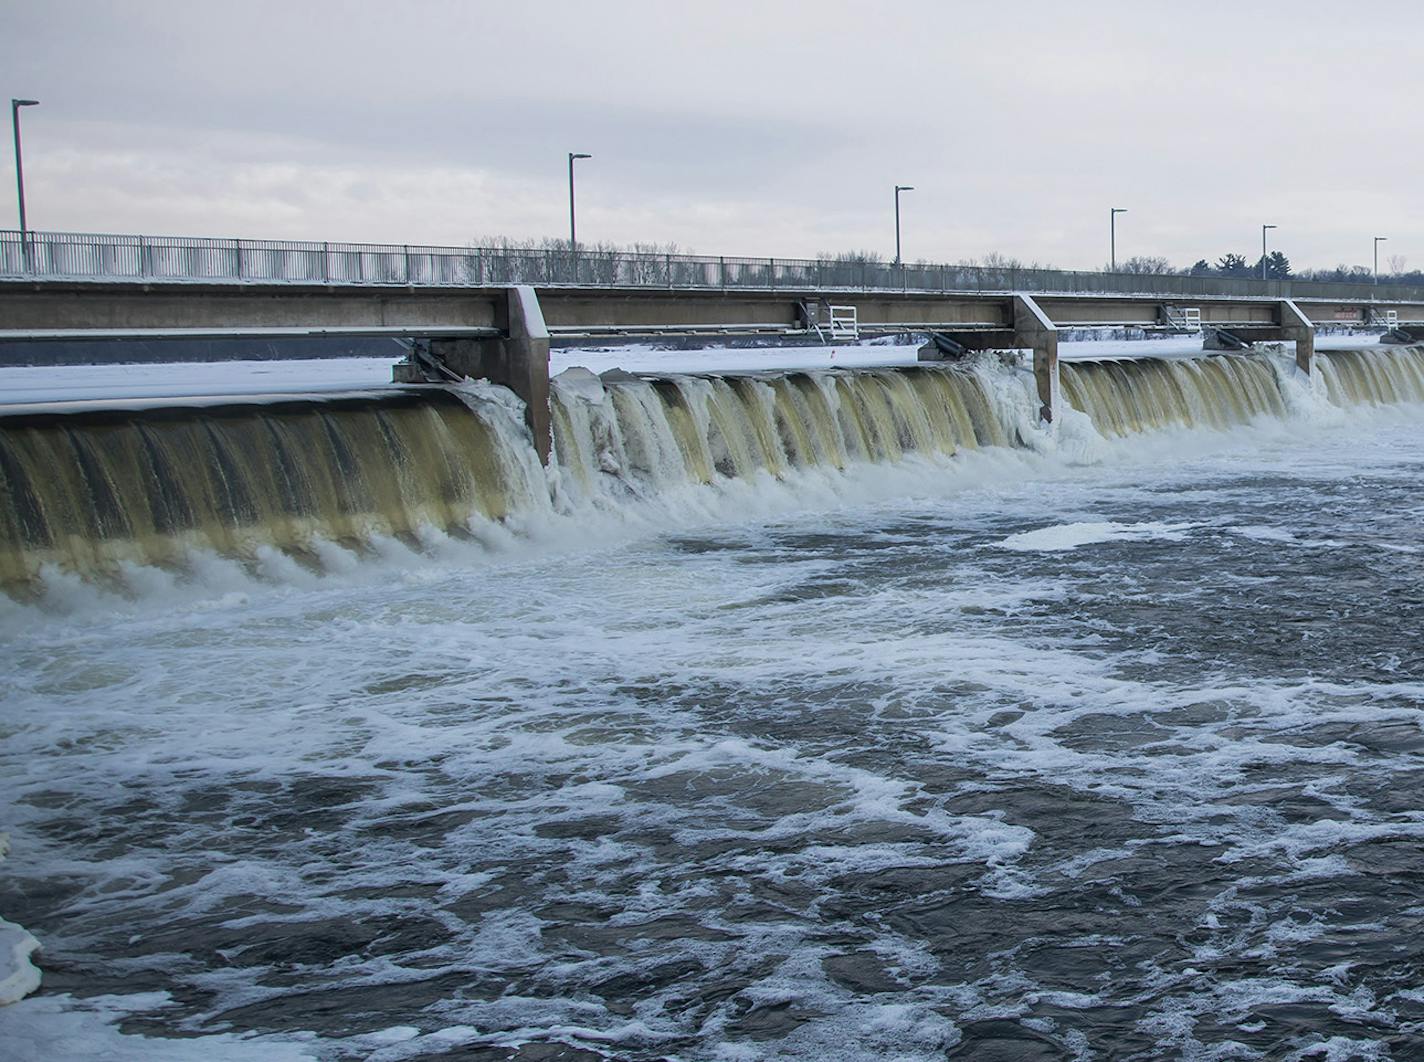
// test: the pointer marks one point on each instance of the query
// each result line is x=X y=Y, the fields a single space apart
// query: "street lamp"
x=1112 y=236
x=1377 y=243
x=15 y=106
x=573 y=230
x=1263 y=249
x=898 y=189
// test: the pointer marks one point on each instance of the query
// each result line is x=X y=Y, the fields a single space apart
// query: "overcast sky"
x=732 y=127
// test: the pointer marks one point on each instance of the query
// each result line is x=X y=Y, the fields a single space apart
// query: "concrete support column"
x=519 y=360
x=1032 y=328
x=1296 y=326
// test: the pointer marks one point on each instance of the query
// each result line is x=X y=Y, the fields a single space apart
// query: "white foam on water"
x=1071 y=536
x=693 y=724
x=18 y=974
x=62 y=1027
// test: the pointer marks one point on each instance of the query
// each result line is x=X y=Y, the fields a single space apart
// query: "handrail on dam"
x=193 y=259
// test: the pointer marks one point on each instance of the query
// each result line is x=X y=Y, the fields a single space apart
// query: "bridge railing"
x=105 y=257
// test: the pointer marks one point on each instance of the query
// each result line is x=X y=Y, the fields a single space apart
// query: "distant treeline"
x=1277 y=265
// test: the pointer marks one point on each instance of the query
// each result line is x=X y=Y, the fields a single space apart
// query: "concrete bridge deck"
x=63 y=309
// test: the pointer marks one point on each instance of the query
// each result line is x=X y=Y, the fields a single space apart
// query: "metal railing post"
x=406 y=247
x=326 y=262
x=771 y=272
x=237 y=254
x=142 y=257
x=722 y=263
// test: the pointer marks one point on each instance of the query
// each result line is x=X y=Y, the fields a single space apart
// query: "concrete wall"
x=52 y=305
x=1073 y=311
x=1356 y=313
x=566 y=309
x=119 y=306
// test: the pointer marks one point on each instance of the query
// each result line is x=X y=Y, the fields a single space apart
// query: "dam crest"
x=94 y=490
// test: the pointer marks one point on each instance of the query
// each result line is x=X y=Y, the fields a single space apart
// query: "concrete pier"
x=1034 y=330
x=1022 y=325
x=1297 y=327
x=1291 y=325
x=517 y=358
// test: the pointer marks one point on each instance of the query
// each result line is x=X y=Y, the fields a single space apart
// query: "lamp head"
x=24 y=103
x=579 y=155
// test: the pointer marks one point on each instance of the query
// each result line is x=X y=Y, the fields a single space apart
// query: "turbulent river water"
x=993 y=749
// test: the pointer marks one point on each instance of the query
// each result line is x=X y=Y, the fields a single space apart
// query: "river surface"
x=1001 y=756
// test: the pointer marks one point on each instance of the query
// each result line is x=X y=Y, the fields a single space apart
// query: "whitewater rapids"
x=776 y=721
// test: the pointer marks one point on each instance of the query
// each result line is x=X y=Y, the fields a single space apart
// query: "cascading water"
x=658 y=433
x=1353 y=377
x=93 y=490
x=1122 y=397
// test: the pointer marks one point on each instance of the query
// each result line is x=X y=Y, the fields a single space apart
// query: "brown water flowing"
x=92 y=490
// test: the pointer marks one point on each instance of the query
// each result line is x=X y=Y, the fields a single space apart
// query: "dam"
x=835 y=705
x=91 y=490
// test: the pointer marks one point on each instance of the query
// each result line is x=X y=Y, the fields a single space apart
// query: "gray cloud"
x=760 y=128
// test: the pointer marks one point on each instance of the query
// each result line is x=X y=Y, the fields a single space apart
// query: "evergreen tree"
x=1274 y=266
x=1201 y=268
x=1233 y=265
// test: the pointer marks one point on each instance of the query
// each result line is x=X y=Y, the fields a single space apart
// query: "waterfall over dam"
x=97 y=489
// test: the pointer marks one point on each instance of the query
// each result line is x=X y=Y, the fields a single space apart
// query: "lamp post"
x=1113 y=212
x=15 y=106
x=573 y=229
x=1377 y=243
x=1263 y=249
x=898 y=189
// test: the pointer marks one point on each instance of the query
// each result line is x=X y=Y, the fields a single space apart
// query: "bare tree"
x=995 y=260
x=1146 y=264
x=1397 y=262
x=852 y=257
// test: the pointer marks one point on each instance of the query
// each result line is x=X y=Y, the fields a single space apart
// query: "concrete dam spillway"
x=98 y=490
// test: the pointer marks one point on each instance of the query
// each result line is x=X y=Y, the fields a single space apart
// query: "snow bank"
x=113 y=384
